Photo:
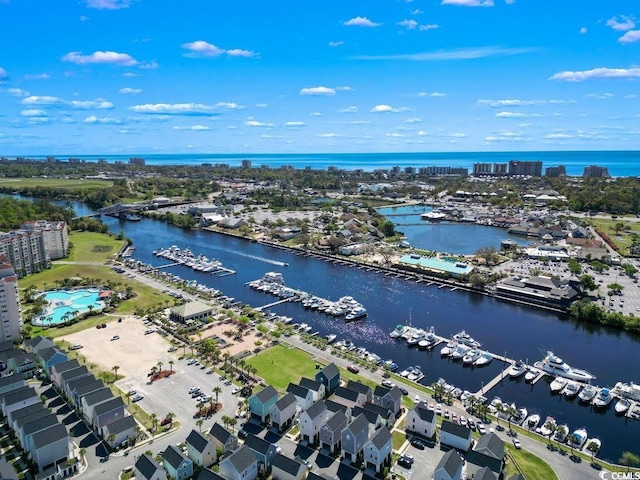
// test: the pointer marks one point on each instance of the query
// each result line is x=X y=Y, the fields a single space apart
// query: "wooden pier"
x=167 y=266
x=269 y=305
x=497 y=379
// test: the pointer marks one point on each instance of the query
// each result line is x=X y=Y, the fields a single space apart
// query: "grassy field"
x=72 y=184
x=533 y=467
x=623 y=239
x=280 y=365
x=398 y=439
x=92 y=247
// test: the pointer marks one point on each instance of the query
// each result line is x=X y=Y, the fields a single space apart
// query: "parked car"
x=131 y=393
x=405 y=461
x=194 y=389
x=137 y=398
x=77 y=346
x=417 y=443
x=517 y=444
x=353 y=369
x=242 y=433
x=115 y=337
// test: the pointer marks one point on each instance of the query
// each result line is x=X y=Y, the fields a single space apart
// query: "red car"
x=353 y=369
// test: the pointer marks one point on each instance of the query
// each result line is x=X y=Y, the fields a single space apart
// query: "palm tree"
x=159 y=367
x=111 y=437
x=562 y=431
x=593 y=447
x=511 y=411
x=82 y=453
x=225 y=420
x=171 y=362
x=154 y=420
x=199 y=422
x=232 y=423
x=170 y=416
x=115 y=369
x=438 y=391
x=551 y=426
x=217 y=391
x=629 y=459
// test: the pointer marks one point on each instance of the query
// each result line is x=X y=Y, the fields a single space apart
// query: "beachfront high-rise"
x=10 y=313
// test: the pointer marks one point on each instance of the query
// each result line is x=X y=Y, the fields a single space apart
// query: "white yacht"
x=398 y=331
x=628 y=390
x=571 y=389
x=331 y=338
x=622 y=405
x=578 y=438
x=418 y=335
x=532 y=421
x=587 y=393
x=448 y=348
x=356 y=314
x=485 y=358
x=558 y=384
x=465 y=338
x=531 y=375
x=517 y=369
x=416 y=374
x=459 y=352
x=556 y=366
x=433 y=216
x=548 y=427
x=471 y=356
x=561 y=433
x=429 y=340
x=520 y=415
x=603 y=398
x=406 y=372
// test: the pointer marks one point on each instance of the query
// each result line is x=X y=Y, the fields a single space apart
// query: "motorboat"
x=416 y=374
x=520 y=416
x=465 y=395
x=331 y=338
x=391 y=365
x=456 y=393
x=588 y=393
x=485 y=358
x=429 y=340
x=558 y=384
x=416 y=337
x=603 y=398
x=556 y=366
x=593 y=445
x=465 y=338
x=406 y=372
x=561 y=433
x=622 y=405
x=578 y=438
x=448 y=348
x=628 y=390
x=548 y=427
x=398 y=331
x=356 y=314
x=531 y=374
x=459 y=352
x=517 y=369
x=571 y=389
x=532 y=421
x=471 y=356
x=433 y=216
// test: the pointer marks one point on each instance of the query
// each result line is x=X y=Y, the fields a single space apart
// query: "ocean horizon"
x=620 y=163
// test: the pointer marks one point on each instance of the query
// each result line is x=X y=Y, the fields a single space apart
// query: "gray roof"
x=286 y=464
x=65 y=366
x=47 y=354
x=451 y=462
x=11 y=379
x=485 y=473
x=146 y=465
x=490 y=445
x=285 y=401
x=342 y=392
x=455 y=429
x=93 y=386
x=517 y=476
x=310 y=384
x=384 y=412
x=191 y=309
x=330 y=371
x=266 y=394
x=316 y=409
x=26 y=411
x=49 y=436
x=336 y=407
x=395 y=393
x=38 y=343
x=4 y=346
x=220 y=433
x=98 y=396
x=337 y=422
x=424 y=413
x=206 y=474
x=258 y=444
x=18 y=395
x=40 y=424
x=358 y=424
x=108 y=405
x=381 y=438
x=173 y=456
x=197 y=440
x=242 y=459
x=122 y=425
x=371 y=416
x=32 y=417
x=359 y=387
x=297 y=390
x=78 y=382
x=73 y=373
x=7 y=472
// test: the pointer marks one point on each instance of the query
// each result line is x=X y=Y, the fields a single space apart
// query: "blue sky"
x=158 y=76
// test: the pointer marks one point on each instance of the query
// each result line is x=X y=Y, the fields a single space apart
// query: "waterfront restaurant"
x=437 y=265
x=190 y=311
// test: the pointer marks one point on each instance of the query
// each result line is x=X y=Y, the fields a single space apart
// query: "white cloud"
x=395 y=135
x=108 y=4
x=344 y=88
x=387 y=109
x=516 y=115
x=428 y=26
x=583 y=30
x=519 y=103
x=262 y=105
x=239 y=52
x=454 y=54
x=42 y=100
x=254 y=123
x=328 y=135
x=84 y=18
x=130 y=74
x=149 y=65
x=318 y=91
x=625 y=23
x=600 y=96
x=3 y=75
x=349 y=109
x=17 y=92
x=102 y=120
x=195 y=128
x=360 y=22
x=315 y=114
x=265 y=136
x=414 y=120
x=557 y=136
x=202 y=48
x=174 y=109
x=469 y=3
x=37 y=76
x=33 y=112
x=228 y=106
x=416 y=11
x=359 y=122
x=339 y=43
x=100 y=57
x=458 y=135
x=408 y=24
x=432 y=94
x=295 y=124
x=596 y=73
x=631 y=36
x=98 y=104
x=130 y=91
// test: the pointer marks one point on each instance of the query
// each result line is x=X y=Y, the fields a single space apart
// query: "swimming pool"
x=63 y=305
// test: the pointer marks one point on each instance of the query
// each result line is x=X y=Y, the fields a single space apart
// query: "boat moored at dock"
x=554 y=365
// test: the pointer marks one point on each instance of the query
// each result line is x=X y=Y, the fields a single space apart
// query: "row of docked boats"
x=415 y=337
x=462 y=346
x=347 y=307
x=361 y=353
x=185 y=257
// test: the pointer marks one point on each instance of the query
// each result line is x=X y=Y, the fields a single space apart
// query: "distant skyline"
x=137 y=77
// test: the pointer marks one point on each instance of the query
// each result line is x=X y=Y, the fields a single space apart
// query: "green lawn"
x=398 y=439
x=279 y=365
x=622 y=239
x=71 y=184
x=92 y=247
x=533 y=467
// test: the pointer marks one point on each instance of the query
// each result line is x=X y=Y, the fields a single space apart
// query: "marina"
x=198 y=263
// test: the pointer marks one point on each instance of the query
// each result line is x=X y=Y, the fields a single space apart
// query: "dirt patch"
x=247 y=342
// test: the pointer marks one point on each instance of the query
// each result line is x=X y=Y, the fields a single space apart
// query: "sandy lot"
x=233 y=347
x=135 y=353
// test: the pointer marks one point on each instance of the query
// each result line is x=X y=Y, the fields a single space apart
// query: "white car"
x=194 y=389
x=517 y=444
x=236 y=390
x=191 y=361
